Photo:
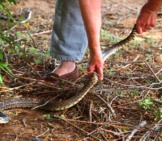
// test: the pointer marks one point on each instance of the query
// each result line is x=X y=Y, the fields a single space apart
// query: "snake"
x=56 y=105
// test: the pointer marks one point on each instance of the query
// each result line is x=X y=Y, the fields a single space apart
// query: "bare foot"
x=64 y=68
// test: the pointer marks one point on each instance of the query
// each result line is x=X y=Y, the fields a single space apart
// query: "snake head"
x=3 y=118
x=94 y=78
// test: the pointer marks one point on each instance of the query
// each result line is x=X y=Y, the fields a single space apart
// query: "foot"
x=64 y=68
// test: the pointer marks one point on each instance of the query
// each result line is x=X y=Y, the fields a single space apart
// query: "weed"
x=160 y=77
x=105 y=35
x=134 y=92
x=148 y=40
x=38 y=56
x=149 y=56
x=47 y=116
x=3 y=67
x=146 y=103
x=158 y=113
x=109 y=73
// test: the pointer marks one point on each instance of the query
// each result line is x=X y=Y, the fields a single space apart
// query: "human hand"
x=146 y=19
x=96 y=65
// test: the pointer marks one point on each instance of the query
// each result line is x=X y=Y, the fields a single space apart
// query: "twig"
x=103 y=123
x=24 y=122
x=152 y=71
x=130 y=8
x=115 y=133
x=154 y=75
x=131 y=62
x=142 y=124
x=90 y=111
x=16 y=136
x=158 y=72
x=5 y=89
x=41 y=82
x=22 y=22
x=101 y=129
x=113 y=100
x=43 y=133
x=34 y=70
x=135 y=87
x=40 y=33
x=36 y=44
x=143 y=138
x=125 y=16
x=28 y=18
x=87 y=133
x=108 y=105
x=157 y=101
x=44 y=104
x=36 y=34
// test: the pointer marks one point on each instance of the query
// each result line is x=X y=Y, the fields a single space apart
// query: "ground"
x=129 y=95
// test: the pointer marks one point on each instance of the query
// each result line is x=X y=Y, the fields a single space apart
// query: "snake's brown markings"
x=57 y=105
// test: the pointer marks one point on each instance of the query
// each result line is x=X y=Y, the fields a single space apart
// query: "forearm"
x=154 y=5
x=91 y=13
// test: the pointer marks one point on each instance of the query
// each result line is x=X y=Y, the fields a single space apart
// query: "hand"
x=146 y=20
x=96 y=65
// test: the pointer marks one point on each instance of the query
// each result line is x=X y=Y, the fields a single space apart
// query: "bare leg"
x=64 y=68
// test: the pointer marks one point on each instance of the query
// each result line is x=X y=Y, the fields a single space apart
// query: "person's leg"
x=69 y=38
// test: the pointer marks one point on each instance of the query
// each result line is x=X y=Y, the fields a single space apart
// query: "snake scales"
x=52 y=105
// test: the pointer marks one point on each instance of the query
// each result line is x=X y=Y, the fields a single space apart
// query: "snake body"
x=53 y=105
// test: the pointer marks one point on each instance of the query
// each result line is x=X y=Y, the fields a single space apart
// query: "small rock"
x=158 y=59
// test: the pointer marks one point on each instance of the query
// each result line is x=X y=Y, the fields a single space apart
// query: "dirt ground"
x=111 y=110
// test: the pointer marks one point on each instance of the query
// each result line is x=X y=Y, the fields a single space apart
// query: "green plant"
x=107 y=36
x=4 y=37
x=3 y=67
x=47 y=116
x=38 y=56
x=160 y=77
x=158 y=112
x=4 y=8
x=146 y=103
x=134 y=92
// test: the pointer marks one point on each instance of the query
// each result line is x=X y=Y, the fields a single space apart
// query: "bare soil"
x=112 y=109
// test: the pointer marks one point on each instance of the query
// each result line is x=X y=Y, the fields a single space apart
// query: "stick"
x=152 y=72
x=142 y=124
x=90 y=111
x=143 y=138
x=108 y=105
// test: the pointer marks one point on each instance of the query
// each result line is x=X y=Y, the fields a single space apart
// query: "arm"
x=148 y=15
x=91 y=13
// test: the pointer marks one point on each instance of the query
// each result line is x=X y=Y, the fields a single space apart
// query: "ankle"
x=69 y=64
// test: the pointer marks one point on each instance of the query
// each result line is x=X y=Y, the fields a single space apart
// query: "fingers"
x=146 y=20
x=144 y=25
x=96 y=68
